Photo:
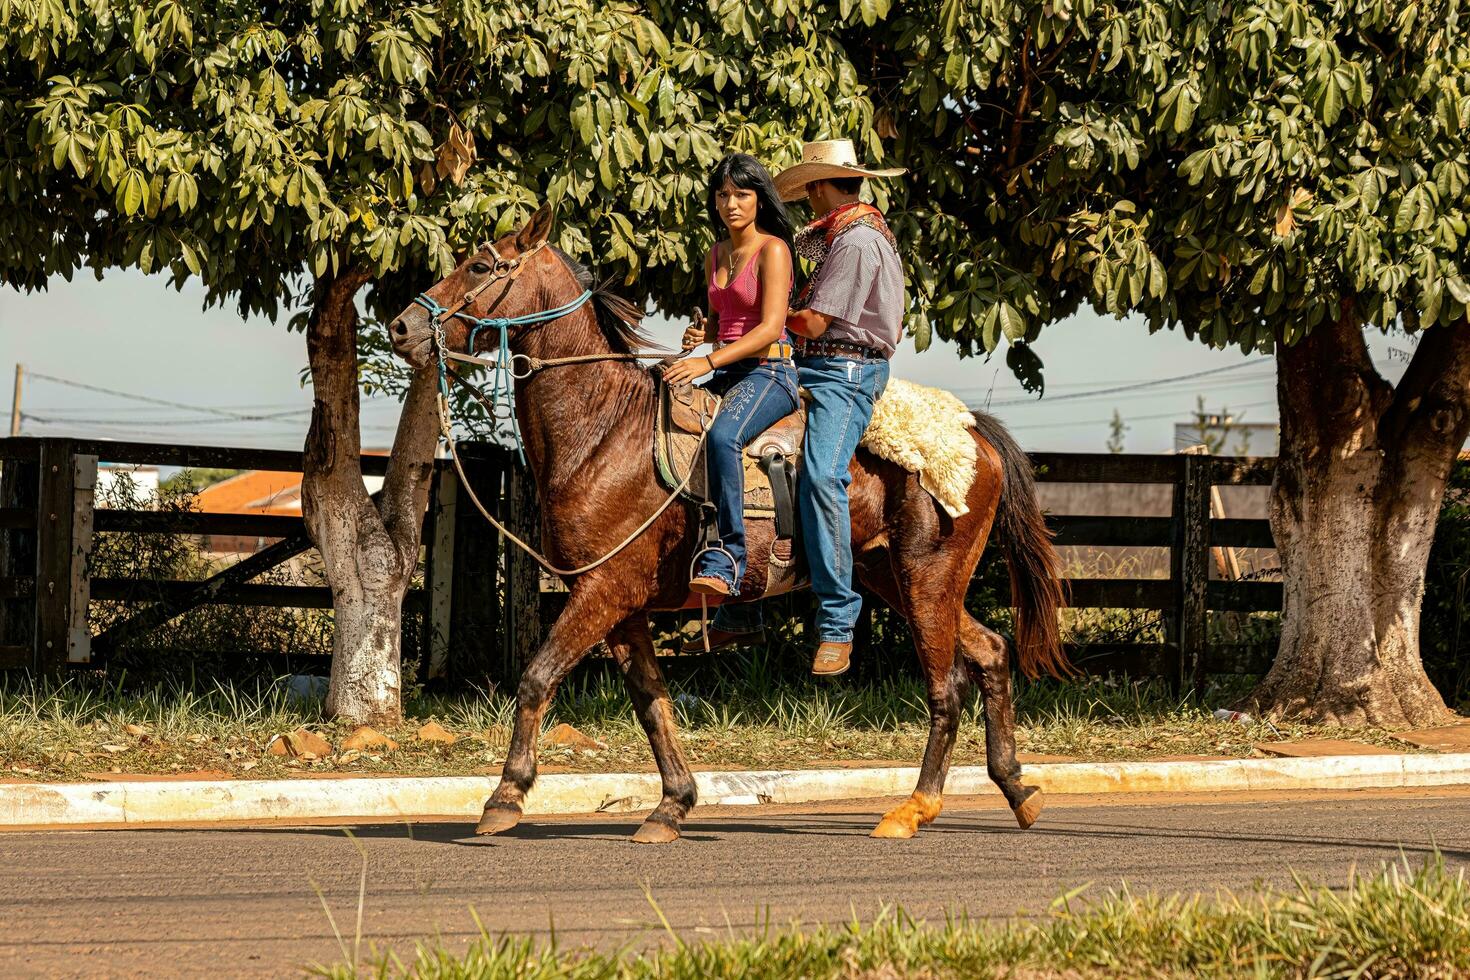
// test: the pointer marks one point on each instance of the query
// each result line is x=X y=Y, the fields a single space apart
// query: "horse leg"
x=934 y=639
x=632 y=647
x=984 y=654
x=587 y=618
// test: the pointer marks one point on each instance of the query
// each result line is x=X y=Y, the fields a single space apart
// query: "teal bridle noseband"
x=503 y=369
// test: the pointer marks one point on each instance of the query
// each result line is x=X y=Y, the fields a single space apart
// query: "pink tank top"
x=738 y=304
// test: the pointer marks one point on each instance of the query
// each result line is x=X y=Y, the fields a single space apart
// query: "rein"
x=503 y=375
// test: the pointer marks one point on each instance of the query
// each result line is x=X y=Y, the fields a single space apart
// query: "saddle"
x=771 y=462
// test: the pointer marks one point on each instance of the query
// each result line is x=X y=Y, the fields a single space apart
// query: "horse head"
x=506 y=278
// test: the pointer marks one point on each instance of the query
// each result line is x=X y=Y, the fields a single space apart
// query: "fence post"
x=19 y=480
x=55 y=512
x=439 y=571
x=523 y=625
x=473 y=637
x=84 y=489
x=1190 y=568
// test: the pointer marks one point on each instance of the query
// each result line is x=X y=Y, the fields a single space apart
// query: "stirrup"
x=713 y=583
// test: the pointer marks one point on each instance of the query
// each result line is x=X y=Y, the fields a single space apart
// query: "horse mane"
x=618 y=317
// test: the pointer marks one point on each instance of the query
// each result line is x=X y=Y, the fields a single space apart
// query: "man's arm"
x=808 y=323
x=837 y=294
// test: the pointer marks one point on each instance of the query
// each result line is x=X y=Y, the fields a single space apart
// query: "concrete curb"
x=127 y=804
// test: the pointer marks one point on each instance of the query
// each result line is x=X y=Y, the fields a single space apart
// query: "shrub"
x=1444 y=627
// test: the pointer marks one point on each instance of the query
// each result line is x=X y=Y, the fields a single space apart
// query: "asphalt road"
x=244 y=902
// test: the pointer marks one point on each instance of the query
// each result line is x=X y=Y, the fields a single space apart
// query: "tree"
x=289 y=154
x=1280 y=175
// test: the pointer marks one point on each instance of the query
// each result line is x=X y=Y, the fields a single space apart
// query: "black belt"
x=821 y=347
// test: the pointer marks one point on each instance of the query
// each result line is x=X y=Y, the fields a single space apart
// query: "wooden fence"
x=1188 y=595
x=481 y=607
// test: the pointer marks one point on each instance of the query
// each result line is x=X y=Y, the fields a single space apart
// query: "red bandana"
x=815 y=240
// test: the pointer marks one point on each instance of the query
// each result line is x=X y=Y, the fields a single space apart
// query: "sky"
x=135 y=334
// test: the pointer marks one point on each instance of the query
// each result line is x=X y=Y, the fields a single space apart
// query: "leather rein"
x=503 y=375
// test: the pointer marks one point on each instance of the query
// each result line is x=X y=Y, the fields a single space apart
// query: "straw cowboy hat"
x=823 y=161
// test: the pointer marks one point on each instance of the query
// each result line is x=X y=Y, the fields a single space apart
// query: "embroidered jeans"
x=844 y=391
x=755 y=397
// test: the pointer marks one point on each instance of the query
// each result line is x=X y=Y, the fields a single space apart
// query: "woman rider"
x=749 y=287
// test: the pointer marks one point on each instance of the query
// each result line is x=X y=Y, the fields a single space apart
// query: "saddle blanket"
x=922 y=429
x=926 y=431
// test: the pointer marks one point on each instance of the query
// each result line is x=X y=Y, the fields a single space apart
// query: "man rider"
x=845 y=324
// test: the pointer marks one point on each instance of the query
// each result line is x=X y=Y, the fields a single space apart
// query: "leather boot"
x=832 y=659
x=722 y=639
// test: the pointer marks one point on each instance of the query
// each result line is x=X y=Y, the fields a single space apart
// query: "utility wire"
x=1129 y=387
x=282 y=418
x=1140 y=385
x=149 y=399
x=1126 y=418
x=142 y=416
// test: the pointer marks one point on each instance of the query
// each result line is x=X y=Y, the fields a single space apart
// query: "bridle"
x=504 y=374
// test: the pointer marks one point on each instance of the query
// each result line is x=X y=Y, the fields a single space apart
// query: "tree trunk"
x=1361 y=474
x=369 y=549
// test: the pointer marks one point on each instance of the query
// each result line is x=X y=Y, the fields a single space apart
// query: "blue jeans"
x=755 y=397
x=844 y=391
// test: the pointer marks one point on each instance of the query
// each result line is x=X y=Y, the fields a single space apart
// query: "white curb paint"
x=142 y=803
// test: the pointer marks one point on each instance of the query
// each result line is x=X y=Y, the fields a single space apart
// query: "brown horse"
x=588 y=431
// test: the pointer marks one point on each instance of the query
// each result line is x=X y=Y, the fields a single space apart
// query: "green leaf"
x=1011 y=323
x=132 y=192
x=191 y=258
x=923 y=334
x=949 y=19
x=1026 y=365
x=956 y=68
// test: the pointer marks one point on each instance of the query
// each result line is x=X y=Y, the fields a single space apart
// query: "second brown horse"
x=588 y=430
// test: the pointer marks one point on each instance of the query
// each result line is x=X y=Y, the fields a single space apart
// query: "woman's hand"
x=685 y=371
x=697 y=332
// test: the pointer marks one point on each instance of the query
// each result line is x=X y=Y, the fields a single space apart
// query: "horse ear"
x=537 y=229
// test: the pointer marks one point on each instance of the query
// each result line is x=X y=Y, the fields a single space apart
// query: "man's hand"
x=685 y=371
x=696 y=334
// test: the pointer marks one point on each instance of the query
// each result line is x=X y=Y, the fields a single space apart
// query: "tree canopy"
x=1234 y=170
x=1237 y=170
x=248 y=143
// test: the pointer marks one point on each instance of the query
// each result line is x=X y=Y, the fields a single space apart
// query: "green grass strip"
x=1399 y=922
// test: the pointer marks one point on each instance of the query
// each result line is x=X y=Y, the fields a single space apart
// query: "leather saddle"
x=685 y=412
x=771 y=463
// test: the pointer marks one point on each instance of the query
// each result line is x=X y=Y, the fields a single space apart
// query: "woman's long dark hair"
x=746 y=172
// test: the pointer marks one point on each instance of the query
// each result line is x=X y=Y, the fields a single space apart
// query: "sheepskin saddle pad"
x=925 y=430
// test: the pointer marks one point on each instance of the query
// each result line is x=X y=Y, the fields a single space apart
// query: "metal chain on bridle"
x=504 y=373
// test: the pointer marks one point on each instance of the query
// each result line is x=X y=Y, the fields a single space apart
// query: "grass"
x=1400 y=922
x=733 y=716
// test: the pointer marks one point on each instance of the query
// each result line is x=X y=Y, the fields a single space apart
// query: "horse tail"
x=1037 y=590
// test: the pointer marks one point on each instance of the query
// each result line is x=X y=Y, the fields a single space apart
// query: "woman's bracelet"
x=711 y=362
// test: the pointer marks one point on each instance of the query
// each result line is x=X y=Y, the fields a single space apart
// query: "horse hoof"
x=498 y=818
x=894 y=828
x=656 y=832
x=1030 y=809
